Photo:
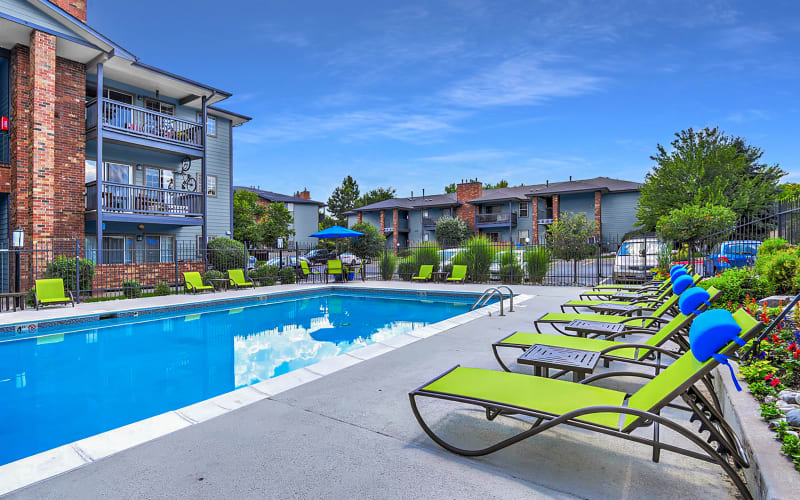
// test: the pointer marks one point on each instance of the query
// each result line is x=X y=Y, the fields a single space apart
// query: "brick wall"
x=383 y=220
x=70 y=148
x=75 y=8
x=395 y=226
x=111 y=276
x=555 y=207
x=597 y=211
x=19 y=137
x=360 y=217
x=535 y=219
x=465 y=192
x=305 y=194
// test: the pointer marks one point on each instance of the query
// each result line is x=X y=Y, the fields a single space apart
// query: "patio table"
x=220 y=283
x=583 y=327
x=13 y=300
x=440 y=276
x=542 y=358
x=625 y=309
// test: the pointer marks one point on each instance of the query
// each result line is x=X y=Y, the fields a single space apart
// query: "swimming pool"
x=71 y=382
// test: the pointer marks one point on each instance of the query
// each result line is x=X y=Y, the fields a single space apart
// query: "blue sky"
x=419 y=94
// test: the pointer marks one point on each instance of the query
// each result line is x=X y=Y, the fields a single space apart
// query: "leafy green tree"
x=450 y=188
x=370 y=245
x=789 y=191
x=375 y=195
x=276 y=224
x=327 y=222
x=694 y=221
x=502 y=184
x=247 y=213
x=451 y=230
x=343 y=199
x=568 y=237
x=707 y=167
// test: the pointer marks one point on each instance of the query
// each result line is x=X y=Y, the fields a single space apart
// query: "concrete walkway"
x=351 y=434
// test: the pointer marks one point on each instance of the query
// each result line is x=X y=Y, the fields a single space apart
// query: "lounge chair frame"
x=68 y=298
x=728 y=445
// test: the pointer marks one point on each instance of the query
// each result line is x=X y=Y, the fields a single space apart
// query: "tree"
x=451 y=188
x=502 y=184
x=789 y=191
x=247 y=213
x=707 y=167
x=343 y=199
x=276 y=225
x=375 y=195
x=569 y=237
x=367 y=246
x=452 y=230
x=327 y=222
x=694 y=221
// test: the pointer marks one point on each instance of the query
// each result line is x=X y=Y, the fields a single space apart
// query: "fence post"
x=78 y=270
x=175 y=260
x=599 y=260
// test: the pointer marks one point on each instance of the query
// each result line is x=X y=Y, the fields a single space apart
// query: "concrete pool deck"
x=351 y=433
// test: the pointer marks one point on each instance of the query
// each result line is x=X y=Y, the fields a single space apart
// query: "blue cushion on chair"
x=681 y=283
x=678 y=272
x=675 y=268
x=693 y=298
x=711 y=331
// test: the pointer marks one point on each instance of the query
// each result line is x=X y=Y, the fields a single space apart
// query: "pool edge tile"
x=332 y=365
x=122 y=438
x=282 y=383
x=240 y=397
x=29 y=470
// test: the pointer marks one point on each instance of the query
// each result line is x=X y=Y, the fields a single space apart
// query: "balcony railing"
x=125 y=198
x=500 y=219
x=402 y=225
x=429 y=222
x=545 y=221
x=141 y=122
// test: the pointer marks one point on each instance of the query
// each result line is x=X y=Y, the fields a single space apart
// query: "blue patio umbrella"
x=337 y=233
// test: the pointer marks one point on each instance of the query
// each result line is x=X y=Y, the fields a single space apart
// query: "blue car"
x=731 y=254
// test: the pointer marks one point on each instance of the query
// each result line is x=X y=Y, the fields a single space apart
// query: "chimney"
x=75 y=8
x=465 y=192
x=570 y=178
x=305 y=194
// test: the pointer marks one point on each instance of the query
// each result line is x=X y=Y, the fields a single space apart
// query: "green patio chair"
x=654 y=299
x=306 y=272
x=194 y=282
x=335 y=268
x=237 y=279
x=608 y=292
x=424 y=274
x=551 y=402
x=459 y=274
x=655 y=318
x=609 y=349
x=50 y=292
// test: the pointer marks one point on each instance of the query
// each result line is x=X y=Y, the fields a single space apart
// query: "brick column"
x=395 y=225
x=75 y=8
x=20 y=137
x=360 y=217
x=42 y=146
x=535 y=220
x=383 y=221
x=555 y=207
x=597 y=212
x=70 y=150
x=465 y=192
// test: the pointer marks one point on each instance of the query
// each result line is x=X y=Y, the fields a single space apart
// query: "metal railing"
x=429 y=222
x=126 y=198
x=141 y=122
x=502 y=218
x=485 y=297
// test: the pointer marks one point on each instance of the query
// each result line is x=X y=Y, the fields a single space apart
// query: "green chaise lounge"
x=653 y=300
x=306 y=272
x=609 y=349
x=459 y=274
x=424 y=274
x=194 y=283
x=50 y=292
x=334 y=267
x=237 y=279
x=551 y=402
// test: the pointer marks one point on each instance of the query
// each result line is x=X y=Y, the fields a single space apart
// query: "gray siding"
x=306 y=222
x=24 y=11
x=218 y=163
x=414 y=226
x=577 y=203
x=618 y=214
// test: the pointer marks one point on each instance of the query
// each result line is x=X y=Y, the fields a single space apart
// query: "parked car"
x=635 y=258
x=287 y=261
x=730 y=254
x=494 y=268
x=319 y=256
x=446 y=256
x=349 y=259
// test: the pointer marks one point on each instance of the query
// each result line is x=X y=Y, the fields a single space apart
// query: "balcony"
x=429 y=223
x=402 y=227
x=545 y=221
x=496 y=220
x=128 y=203
x=131 y=124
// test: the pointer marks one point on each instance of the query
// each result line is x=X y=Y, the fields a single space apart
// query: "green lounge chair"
x=194 y=283
x=306 y=272
x=334 y=267
x=654 y=319
x=50 y=292
x=657 y=299
x=609 y=349
x=237 y=279
x=424 y=274
x=459 y=274
x=550 y=402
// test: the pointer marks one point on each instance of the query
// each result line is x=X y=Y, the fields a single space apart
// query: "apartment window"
x=90 y=170
x=493 y=237
x=524 y=236
x=425 y=213
x=158 y=248
x=158 y=177
x=118 y=173
x=211 y=126
x=159 y=106
x=523 y=209
x=211 y=185
x=118 y=249
x=116 y=95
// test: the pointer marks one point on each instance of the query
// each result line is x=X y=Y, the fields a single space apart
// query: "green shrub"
x=478 y=255
x=781 y=270
x=213 y=274
x=770 y=411
x=403 y=253
x=426 y=254
x=511 y=274
x=690 y=222
x=132 y=289
x=64 y=267
x=225 y=253
x=30 y=299
x=388 y=264
x=537 y=262
x=162 y=288
x=771 y=246
x=737 y=284
x=265 y=275
x=407 y=268
x=452 y=230
x=287 y=275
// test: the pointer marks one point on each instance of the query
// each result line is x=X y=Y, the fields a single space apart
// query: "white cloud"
x=743 y=37
x=469 y=156
x=747 y=115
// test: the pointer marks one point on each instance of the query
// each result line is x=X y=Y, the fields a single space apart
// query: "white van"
x=635 y=258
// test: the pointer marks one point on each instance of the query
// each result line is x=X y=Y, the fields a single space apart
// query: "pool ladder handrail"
x=491 y=292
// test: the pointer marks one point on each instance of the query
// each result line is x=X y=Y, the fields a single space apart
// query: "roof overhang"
x=235 y=118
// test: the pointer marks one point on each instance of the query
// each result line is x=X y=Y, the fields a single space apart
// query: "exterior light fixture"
x=18 y=238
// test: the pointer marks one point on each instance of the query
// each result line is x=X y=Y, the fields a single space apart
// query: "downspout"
x=204 y=173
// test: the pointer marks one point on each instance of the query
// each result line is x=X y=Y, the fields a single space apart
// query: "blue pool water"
x=79 y=381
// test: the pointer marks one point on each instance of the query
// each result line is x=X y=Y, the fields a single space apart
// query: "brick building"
x=98 y=147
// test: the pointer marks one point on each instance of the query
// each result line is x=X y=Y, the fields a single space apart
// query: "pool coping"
x=44 y=465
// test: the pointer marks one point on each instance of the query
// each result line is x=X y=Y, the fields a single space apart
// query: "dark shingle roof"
x=429 y=200
x=521 y=193
x=272 y=197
